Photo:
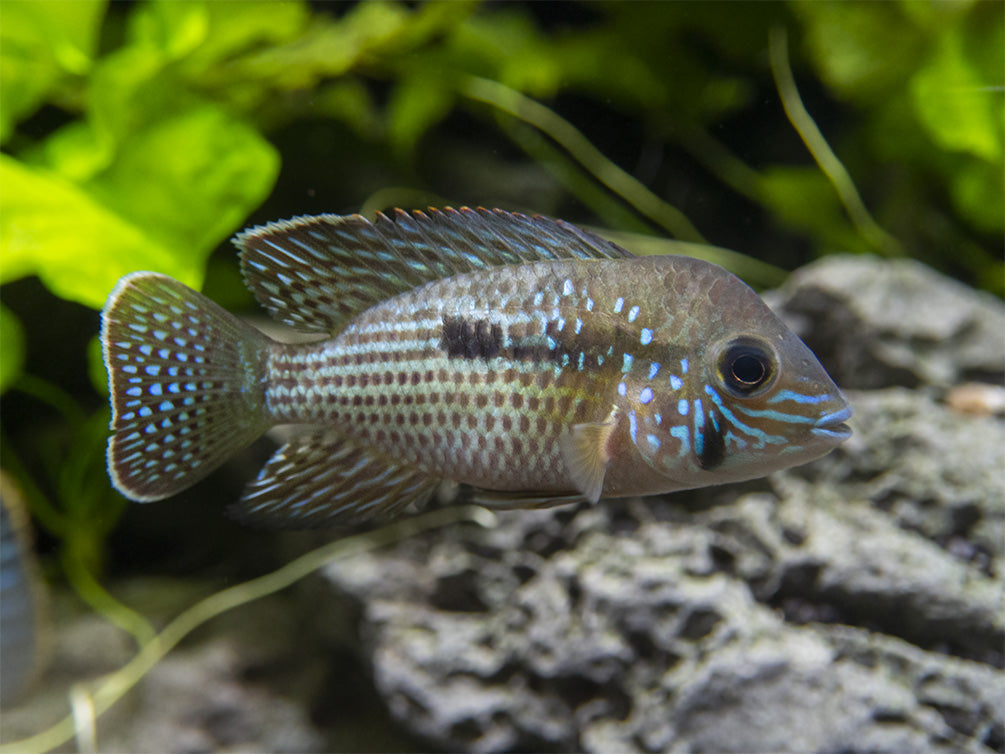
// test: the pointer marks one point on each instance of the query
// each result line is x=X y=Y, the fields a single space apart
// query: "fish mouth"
x=832 y=426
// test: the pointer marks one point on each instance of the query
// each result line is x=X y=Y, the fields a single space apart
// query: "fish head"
x=751 y=397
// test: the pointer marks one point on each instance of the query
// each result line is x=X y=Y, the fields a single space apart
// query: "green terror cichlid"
x=524 y=357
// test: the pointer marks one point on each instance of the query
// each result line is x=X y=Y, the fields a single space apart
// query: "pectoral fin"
x=585 y=452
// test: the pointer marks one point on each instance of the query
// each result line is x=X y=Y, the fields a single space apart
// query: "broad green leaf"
x=236 y=27
x=173 y=193
x=200 y=34
x=936 y=16
x=328 y=48
x=190 y=180
x=506 y=46
x=349 y=101
x=74 y=152
x=660 y=61
x=173 y=29
x=978 y=190
x=419 y=102
x=40 y=43
x=235 y=30
x=957 y=104
x=11 y=348
x=53 y=228
x=861 y=50
x=130 y=89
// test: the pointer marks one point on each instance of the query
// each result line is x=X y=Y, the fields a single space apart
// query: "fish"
x=24 y=624
x=521 y=359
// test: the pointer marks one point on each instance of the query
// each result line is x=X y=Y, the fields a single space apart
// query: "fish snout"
x=831 y=426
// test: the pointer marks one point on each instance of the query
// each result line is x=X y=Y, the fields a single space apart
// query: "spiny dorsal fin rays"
x=316 y=272
x=321 y=479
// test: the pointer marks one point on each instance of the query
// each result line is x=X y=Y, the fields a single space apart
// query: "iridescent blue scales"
x=23 y=624
x=531 y=361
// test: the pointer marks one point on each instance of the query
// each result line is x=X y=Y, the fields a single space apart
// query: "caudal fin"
x=187 y=385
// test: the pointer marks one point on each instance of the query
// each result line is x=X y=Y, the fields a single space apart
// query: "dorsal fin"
x=316 y=272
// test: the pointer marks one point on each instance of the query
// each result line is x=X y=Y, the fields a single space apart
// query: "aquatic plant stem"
x=110 y=689
x=609 y=208
x=818 y=147
x=619 y=181
x=97 y=597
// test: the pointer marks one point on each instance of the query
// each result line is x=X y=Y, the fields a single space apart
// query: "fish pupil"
x=749 y=369
x=746 y=367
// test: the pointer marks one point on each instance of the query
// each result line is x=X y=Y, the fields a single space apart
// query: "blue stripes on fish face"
x=801 y=398
x=760 y=437
x=706 y=427
x=775 y=415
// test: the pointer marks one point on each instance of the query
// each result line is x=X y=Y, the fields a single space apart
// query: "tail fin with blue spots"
x=187 y=385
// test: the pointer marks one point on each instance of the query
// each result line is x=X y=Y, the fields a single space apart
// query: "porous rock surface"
x=877 y=323
x=854 y=604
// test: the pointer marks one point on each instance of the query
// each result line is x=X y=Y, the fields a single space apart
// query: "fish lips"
x=832 y=427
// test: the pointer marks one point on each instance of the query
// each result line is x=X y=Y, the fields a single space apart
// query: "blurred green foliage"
x=164 y=150
x=139 y=136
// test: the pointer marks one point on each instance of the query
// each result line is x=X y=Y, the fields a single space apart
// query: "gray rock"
x=879 y=323
x=201 y=700
x=932 y=469
x=240 y=685
x=666 y=637
x=811 y=548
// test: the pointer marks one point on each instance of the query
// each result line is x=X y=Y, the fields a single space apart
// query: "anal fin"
x=584 y=449
x=321 y=479
x=509 y=499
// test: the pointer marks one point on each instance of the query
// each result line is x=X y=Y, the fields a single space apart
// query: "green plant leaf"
x=191 y=179
x=419 y=102
x=236 y=27
x=956 y=104
x=979 y=193
x=854 y=49
x=40 y=43
x=329 y=48
x=11 y=348
x=129 y=90
x=173 y=29
x=349 y=101
x=55 y=229
x=174 y=191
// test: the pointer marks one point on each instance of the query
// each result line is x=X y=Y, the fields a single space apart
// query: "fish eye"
x=746 y=367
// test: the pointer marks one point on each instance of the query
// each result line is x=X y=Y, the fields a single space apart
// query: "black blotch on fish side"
x=467 y=339
x=713 y=450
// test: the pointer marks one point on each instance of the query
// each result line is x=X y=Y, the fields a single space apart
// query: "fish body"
x=22 y=601
x=523 y=357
